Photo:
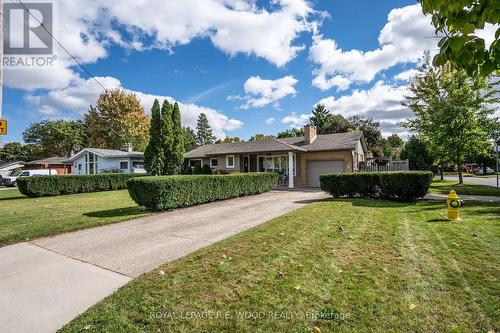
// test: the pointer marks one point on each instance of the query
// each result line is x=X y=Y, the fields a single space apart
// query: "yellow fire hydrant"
x=454 y=203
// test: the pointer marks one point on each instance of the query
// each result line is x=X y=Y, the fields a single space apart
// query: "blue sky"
x=253 y=67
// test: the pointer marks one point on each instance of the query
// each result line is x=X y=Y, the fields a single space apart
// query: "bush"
x=168 y=192
x=41 y=186
x=206 y=169
x=405 y=186
x=198 y=170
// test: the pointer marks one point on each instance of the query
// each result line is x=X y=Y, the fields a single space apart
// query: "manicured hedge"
x=42 y=186
x=168 y=192
x=404 y=186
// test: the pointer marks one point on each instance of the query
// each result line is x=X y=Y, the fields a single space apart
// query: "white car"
x=11 y=180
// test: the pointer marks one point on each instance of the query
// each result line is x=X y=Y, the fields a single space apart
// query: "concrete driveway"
x=47 y=282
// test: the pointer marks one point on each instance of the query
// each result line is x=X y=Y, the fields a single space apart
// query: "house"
x=95 y=160
x=62 y=165
x=299 y=159
x=6 y=168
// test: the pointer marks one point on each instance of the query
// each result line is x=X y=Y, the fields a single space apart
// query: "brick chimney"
x=309 y=134
x=127 y=147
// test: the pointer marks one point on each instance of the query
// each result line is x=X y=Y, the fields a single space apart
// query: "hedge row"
x=42 y=186
x=168 y=192
x=405 y=186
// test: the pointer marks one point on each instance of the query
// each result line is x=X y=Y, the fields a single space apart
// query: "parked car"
x=11 y=180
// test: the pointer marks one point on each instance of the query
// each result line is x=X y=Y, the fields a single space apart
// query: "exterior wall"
x=238 y=162
x=303 y=158
x=59 y=167
x=103 y=164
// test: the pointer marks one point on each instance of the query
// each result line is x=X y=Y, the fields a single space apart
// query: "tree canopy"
x=458 y=20
x=204 y=133
x=153 y=155
x=117 y=119
x=56 y=137
x=453 y=112
x=189 y=139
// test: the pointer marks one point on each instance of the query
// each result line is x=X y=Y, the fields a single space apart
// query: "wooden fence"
x=376 y=165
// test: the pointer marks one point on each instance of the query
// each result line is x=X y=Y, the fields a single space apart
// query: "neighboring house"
x=94 y=160
x=6 y=168
x=300 y=159
x=62 y=164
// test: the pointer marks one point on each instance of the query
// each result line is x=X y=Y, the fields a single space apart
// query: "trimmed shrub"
x=206 y=169
x=168 y=192
x=198 y=170
x=405 y=186
x=41 y=186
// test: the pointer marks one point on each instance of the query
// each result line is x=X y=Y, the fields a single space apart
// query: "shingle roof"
x=339 y=141
x=109 y=153
x=9 y=164
x=50 y=160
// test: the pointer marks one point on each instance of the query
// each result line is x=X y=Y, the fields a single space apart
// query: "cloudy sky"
x=251 y=66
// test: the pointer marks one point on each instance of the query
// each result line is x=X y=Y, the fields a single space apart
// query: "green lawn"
x=444 y=187
x=23 y=218
x=367 y=266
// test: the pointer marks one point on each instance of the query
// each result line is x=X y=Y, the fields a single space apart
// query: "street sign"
x=3 y=127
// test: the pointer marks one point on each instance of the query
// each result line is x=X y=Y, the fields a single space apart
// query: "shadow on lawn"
x=14 y=198
x=128 y=211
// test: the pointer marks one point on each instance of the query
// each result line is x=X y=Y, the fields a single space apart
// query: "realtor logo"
x=25 y=28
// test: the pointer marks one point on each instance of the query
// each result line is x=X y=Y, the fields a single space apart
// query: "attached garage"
x=317 y=168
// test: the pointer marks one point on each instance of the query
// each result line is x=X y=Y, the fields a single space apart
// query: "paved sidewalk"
x=464 y=197
x=47 y=282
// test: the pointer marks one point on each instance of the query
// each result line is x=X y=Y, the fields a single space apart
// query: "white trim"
x=290 y=168
x=280 y=155
x=227 y=162
x=128 y=165
x=212 y=159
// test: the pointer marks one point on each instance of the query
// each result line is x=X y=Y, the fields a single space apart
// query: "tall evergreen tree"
x=204 y=134
x=153 y=155
x=167 y=137
x=189 y=139
x=319 y=118
x=177 y=157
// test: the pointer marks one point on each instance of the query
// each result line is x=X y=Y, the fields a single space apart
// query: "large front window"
x=275 y=163
x=91 y=163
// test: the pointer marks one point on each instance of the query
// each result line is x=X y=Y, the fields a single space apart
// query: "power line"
x=62 y=46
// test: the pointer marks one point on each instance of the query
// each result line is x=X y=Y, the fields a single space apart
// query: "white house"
x=6 y=168
x=94 y=160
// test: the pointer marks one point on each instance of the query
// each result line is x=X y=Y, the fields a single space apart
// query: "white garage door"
x=316 y=168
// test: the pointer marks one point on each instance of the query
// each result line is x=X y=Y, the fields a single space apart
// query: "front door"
x=246 y=163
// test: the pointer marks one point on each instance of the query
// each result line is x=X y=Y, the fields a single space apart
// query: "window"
x=79 y=167
x=276 y=163
x=138 y=164
x=91 y=163
x=214 y=162
x=193 y=163
x=124 y=165
x=230 y=161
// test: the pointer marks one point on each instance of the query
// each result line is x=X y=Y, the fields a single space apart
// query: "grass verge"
x=333 y=266
x=444 y=187
x=23 y=218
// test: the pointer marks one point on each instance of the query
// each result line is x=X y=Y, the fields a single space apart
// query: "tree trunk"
x=460 y=173
x=441 y=171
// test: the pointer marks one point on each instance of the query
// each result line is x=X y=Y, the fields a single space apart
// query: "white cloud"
x=261 y=92
x=88 y=28
x=77 y=98
x=406 y=75
x=270 y=121
x=403 y=39
x=296 y=121
x=382 y=102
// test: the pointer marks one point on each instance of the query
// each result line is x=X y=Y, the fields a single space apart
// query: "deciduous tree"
x=453 y=112
x=117 y=119
x=460 y=45
x=56 y=137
